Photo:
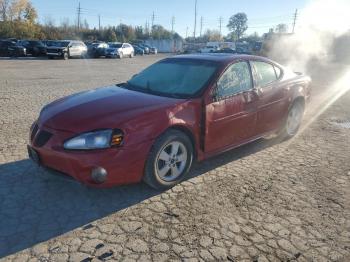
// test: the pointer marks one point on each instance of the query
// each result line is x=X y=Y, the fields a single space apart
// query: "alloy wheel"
x=295 y=116
x=171 y=161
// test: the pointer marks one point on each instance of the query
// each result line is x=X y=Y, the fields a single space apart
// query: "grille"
x=34 y=131
x=42 y=138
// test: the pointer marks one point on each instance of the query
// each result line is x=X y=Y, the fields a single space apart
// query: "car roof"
x=222 y=58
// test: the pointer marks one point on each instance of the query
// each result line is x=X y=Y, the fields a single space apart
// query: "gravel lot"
x=267 y=201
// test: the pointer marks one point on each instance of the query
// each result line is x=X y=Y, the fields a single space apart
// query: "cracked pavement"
x=266 y=201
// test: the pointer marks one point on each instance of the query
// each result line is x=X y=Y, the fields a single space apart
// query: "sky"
x=262 y=15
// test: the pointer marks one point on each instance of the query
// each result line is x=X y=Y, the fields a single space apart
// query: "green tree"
x=159 y=32
x=110 y=35
x=238 y=24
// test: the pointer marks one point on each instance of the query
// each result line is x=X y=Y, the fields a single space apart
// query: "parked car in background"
x=178 y=110
x=97 y=49
x=120 y=50
x=226 y=51
x=145 y=48
x=66 y=49
x=152 y=49
x=138 y=50
x=35 y=48
x=243 y=50
x=210 y=47
x=10 y=48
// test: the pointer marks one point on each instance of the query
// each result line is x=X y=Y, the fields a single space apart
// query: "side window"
x=264 y=73
x=236 y=79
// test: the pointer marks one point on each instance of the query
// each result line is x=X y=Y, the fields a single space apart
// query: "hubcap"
x=294 y=119
x=171 y=161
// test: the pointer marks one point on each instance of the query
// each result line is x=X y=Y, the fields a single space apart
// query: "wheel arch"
x=188 y=133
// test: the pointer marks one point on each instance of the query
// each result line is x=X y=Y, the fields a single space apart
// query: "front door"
x=231 y=115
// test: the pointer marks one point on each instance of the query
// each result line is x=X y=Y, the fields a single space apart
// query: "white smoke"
x=318 y=25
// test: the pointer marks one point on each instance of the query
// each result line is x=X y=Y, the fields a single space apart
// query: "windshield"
x=174 y=78
x=115 y=45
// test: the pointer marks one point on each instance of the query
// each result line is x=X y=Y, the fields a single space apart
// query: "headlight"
x=95 y=140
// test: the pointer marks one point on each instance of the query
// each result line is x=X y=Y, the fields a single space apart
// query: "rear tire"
x=169 y=160
x=293 y=121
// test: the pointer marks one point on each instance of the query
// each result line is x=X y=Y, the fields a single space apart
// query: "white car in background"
x=210 y=47
x=120 y=50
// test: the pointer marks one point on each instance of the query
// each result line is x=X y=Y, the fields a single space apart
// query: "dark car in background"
x=97 y=49
x=35 y=48
x=66 y=49
x=152 y=50
x=10 y=48
x=226 y=51
x=138 y=50
x=145 y=48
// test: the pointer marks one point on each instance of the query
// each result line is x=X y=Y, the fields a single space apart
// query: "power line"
x=295 y=19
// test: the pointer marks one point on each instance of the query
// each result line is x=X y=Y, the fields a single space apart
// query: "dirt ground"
x=266 y=201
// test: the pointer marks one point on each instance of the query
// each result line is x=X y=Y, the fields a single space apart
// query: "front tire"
x=65 y=56
x=169 y=160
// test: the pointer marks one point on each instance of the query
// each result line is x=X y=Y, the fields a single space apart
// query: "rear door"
x=272 y=96
x=231 y=113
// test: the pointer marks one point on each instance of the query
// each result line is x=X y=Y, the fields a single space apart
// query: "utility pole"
x=79 y=14
x=201 y=28
x=220 y=24
x=172 y=24
x=153 y=17
x=195 y=19
x=99 y=22
x=186 y=32
x=295 y=19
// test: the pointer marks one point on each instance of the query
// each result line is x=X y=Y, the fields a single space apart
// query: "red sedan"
x=179 y=110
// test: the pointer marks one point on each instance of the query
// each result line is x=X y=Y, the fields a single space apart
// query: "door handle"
x=250 y=97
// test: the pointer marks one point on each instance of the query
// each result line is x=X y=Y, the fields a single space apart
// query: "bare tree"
x=17 y=9
x=238 y=25
x=4 y=9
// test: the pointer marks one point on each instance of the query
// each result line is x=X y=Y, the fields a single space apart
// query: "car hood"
x=107 y=107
